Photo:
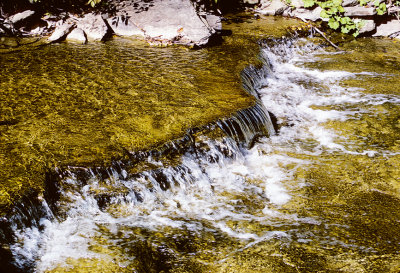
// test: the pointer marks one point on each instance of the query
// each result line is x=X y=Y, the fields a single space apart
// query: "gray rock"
x=37 y=31
x=213 y=22
x=359 y=11
x=172 y=21
x=372 y=3
x=94 y=27
x=297 y=4
x=388 y=29
x=368 y=25
x=393 y=9
x=251 y=2
x=274 y=7
x=77 y=36
x=60 y=32
x=123 y=26
x=307 y=14
x=19 y=17
x=350 y=3
x=286 y=13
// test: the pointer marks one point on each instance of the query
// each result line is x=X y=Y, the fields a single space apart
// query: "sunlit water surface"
x=320 y=195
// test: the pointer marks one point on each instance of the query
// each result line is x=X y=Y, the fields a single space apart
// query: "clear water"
x=322 y=195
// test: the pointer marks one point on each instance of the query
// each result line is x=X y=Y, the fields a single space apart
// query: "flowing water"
x=320 y=194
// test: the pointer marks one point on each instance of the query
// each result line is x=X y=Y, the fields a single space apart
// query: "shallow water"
x=322 y=195
x=87 y=105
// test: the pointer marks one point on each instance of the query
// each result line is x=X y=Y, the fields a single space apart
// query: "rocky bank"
x=373 y=24
x=161 y=22
x=167 y=22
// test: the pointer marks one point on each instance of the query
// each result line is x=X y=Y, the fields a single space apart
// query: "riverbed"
x=317 y=193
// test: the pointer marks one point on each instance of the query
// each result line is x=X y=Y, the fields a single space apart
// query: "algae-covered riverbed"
x=322 y=195
x=86 y=105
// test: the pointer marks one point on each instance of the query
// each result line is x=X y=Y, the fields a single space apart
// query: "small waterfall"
x=217 y=185
x=248 y=124
x=148 y=188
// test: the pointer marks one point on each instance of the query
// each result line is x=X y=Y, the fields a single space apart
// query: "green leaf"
x=337 y=2
x=323 y=14
x=332 y=23
x=341 y=9
x=322 y=5
x=345 y=29
x=381 y=9
x=345 y=20
x=308 y=3
x=363 y=2
x=377 y=2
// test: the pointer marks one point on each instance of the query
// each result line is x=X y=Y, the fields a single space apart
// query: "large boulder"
x=123 y=26
x=165 y=21
x=213 y=22
x=61 y=31
x=77 y=36
x=388 y=29
x=94 y=26
x=307 y=14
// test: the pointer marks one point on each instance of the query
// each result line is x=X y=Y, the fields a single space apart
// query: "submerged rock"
x=8 y=42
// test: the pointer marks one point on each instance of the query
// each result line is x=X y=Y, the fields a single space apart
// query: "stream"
x=320 y=192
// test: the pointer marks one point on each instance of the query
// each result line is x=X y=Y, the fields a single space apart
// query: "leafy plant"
x=380 y=7
x=309 y=3
x=333 y=12
x=93 y=3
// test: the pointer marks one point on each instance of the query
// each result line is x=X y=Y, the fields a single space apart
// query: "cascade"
x=78 y=199
x=244 y=183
